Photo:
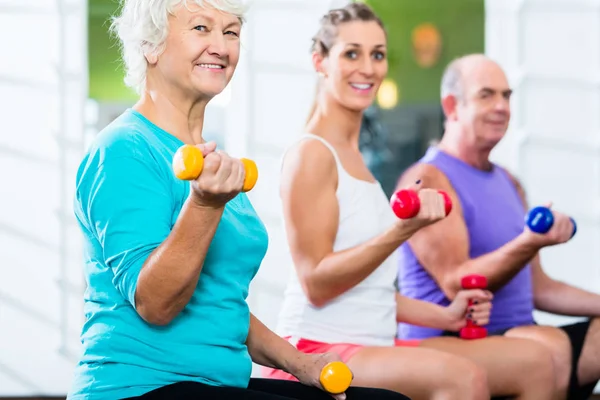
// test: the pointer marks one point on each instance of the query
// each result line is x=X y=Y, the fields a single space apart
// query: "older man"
x=485 y=233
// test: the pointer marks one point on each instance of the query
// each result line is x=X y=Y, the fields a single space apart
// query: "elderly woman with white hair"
x=168 y=261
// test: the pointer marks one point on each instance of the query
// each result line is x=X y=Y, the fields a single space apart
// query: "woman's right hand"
x=432 y=210
x=222 y=178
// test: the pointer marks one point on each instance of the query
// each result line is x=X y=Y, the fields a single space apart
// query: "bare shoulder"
x=310 y=159
x=311 y=149
x=429 y=175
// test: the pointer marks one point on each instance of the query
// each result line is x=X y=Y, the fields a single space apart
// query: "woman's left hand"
x=459 y=311
x=307 y=368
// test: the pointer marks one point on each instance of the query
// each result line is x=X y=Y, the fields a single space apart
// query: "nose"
x=218 y=45
x=502 y=105
x=367 y=68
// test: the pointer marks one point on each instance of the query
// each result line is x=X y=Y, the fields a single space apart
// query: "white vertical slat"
x=43 y=81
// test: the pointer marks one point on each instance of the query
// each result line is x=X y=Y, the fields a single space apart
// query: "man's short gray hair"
x=142 y=28
x=452 y=84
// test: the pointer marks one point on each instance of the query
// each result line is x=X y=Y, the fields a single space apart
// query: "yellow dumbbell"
x=189 y=161
x=336 y=377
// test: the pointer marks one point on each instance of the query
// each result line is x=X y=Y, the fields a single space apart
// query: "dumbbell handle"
x=540 y=220
x=472 y=331
x=188 y=163
x=406 y=203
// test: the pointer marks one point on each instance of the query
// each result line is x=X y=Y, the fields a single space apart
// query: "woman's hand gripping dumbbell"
x=336 y=377
x=216 y=177
x=424 y=206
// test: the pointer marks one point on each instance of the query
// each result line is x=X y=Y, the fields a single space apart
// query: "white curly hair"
x=142 y=28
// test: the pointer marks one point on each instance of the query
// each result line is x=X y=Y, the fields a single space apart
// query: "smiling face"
x=355 y=65
x=483 y=109
x=201 y=51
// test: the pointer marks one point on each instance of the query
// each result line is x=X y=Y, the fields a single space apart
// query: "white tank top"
x=365 y=314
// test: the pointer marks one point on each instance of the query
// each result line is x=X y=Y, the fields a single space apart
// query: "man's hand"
x=561 y=231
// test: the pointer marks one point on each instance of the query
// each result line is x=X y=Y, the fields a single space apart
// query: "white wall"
x=43 y=83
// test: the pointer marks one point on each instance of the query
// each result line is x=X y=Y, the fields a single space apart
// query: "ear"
x=449 y=105
x=319 y=64
x=151 y=58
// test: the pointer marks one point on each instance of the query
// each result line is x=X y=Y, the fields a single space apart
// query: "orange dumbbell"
x=336 y=377
x=189 y=161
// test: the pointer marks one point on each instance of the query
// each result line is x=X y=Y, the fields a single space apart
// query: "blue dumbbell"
x=540 y=220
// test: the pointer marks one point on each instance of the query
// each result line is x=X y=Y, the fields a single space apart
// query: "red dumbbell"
x=472 y=331
x=406 y=204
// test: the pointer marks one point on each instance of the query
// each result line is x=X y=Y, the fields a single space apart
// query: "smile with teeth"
x=211 y=66
x=361 y=86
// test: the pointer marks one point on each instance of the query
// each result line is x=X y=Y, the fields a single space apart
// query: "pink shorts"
x=345 y=350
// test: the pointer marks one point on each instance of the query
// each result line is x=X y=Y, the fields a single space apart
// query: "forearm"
x=422 y=313
x=268 y=349
x=341 y=271
x=498 y=266
x=169 y=276
x=563 y=299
